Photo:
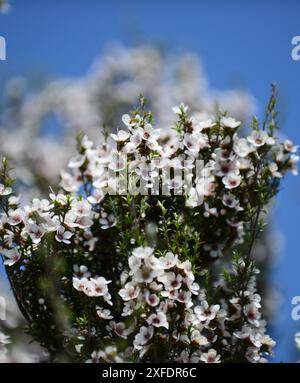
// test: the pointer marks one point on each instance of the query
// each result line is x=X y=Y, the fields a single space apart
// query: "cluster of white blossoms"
x=37 y=122
x=40 y=218
x=125 y=261
x=93 y=287
x=139 y=161
x=165 y=306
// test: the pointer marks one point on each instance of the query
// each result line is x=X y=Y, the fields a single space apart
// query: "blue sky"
x=246 y=43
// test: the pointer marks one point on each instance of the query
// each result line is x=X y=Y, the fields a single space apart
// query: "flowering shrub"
x=144 y=253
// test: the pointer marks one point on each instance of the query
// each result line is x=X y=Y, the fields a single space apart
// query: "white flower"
x=121 y=330
x=143 y=252
x=210 y=357
x=129 y=292
x=96 y=197
x=198 y=338
x=40 y=204
x=292 y=162
x=11 y=256
x=121 y=136
x=186 y=266
x=184 y=357
x=77 y=161
x=232 y=180
x=143 y=337
x=193 y=287
x=241 y=147
x=36 y=232
x=156 y=287
x=103 y=313
x=151 y=299
x=134 y=263
x=254 y=336
x=245 y=164
x=181 y=109
x=80 y=284
x=290 y=147
x=252 y=313
x=78 y=347
x=169 y=260
x=195 y=142
x=144 y=274
x=82 y=208
x=252 y=355
x=135 y=139
x=108 y=355
x=193 y=199
x=95 y=357
x=202 y=125
x=68 y=182
x=205 y=187
x=117 y=162
x=204 y=312
x=184 y=297
x=259 y=138
x=86 y=143
x=13 y=200
x=129 y=308
x=223 y=168
x=15 y=217
x=62 y=235
x=83 y=222
x=231 y=201
x=223 y=154
x=171 y=281
x=5 y=190
x=129 y=121
x=267 y=341
x=273 y=167
x=97 y=287
x=60 y=199
x=229 y=122
x=50 y=223
x=148 y=133
x=158 y=320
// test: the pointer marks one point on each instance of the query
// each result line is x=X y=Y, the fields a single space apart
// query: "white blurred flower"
x=229 y=122
x=210 y=357
x=5 y=190
x=158 y=320
x=11 y=256
x=232 y=180
x=62 y=235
